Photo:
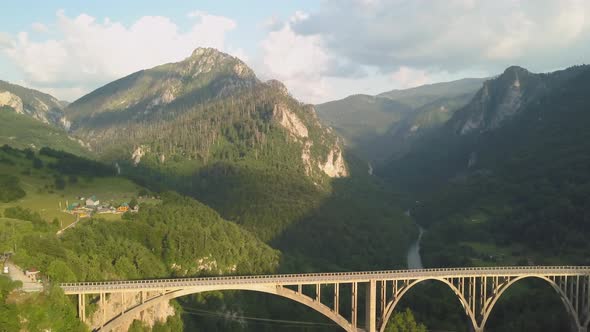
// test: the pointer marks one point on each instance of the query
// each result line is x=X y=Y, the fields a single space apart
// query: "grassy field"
x=489 y=254
x=43 y=198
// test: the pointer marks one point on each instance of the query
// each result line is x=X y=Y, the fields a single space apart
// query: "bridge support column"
x=122 y=303
x=371 y=307
x=336 y=298
x=354 y=305
x=82 y=307
x=102 y=309
x=318 y=293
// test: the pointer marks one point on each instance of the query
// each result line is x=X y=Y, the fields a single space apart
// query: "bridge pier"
x=353 y=316
x=103 y=309
x=82 y=307
x=371 y=307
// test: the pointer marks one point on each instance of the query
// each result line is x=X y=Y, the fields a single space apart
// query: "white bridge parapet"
x=478 y=289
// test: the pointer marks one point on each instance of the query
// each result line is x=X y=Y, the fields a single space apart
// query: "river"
x=414 y=258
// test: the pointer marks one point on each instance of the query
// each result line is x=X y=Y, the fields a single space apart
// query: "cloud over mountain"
x=338 y=48
x=451 y=35
x=83 y=52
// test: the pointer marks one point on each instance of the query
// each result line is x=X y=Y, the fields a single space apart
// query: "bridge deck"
x=327 y=278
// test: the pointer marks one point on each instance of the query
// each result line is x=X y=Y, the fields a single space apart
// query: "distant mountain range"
x=208 y=107
x=515 y=103
x=379 y=127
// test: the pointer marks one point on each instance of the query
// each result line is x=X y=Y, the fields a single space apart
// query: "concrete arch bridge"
x=478 y=290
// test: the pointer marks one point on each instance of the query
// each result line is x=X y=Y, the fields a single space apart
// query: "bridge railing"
x=335 y=276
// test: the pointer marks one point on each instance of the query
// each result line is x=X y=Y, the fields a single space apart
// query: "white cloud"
x=39 y=27
x=407 y=77
x=88 y=53
x=5 y=40
x=452 y=35
x=314 y=73
x=298 y=61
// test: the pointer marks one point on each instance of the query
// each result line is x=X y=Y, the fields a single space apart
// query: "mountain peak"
x=204 y=59
x=516 y=69
x=514 y=74
x=276 y=84
x=207 y=52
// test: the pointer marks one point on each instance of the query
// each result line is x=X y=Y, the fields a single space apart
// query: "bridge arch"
x=390 y=308
x=478 y=320
x=564 y=299
x=274 y=290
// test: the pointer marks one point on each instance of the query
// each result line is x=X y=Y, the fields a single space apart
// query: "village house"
x=123 y=208
x=72 y=207
x=92 y=202
x=106 y=209
x=32 y=274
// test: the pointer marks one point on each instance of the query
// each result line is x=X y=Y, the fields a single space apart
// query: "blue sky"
x=321 y=50
x=249 y=14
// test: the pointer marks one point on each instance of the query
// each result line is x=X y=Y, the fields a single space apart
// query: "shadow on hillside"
x=355 y=225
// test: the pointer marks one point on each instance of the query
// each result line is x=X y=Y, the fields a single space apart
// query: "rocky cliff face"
x=506 y=96
x=114 y=304
x=38 y=105
x=332 y=164
x=11 y=100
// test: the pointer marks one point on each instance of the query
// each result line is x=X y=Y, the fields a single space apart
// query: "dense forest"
x=169 y=238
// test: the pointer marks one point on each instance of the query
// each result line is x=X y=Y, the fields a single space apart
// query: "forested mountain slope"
x=33 y=103
x=22 y=131
x=208 y=107
x=207 y=127
x=509 y=169
x=385 y=125
x=33 y=119
x=175 y=237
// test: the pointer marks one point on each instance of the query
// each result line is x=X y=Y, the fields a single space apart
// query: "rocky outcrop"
x=334 y=167
x=11 y=100
x=33 y=103
x=205 y=60
x=137 y=154
x=115 y=303
x=290 y=122
x=500 y=99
